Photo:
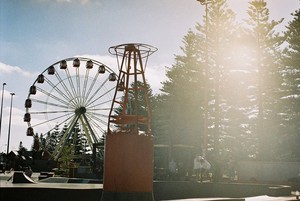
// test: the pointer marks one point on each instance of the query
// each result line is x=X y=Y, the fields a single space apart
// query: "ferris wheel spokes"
x=88 y=103
x=52 y=96
x=85 y=84
x=90 y=96
x=52 y=112
x=65 y=137
x=51 y=120
x=48 y=103
x=67 y=93
x=59 y=91
x=70 y=80
x=92 y=132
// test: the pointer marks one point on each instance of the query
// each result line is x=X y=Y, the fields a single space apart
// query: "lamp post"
x=9 y=124
x=206 y=78
x=1 y=106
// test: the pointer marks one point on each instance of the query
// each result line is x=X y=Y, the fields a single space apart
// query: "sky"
x=34 y=34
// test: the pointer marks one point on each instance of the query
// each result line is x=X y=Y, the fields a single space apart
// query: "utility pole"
x=9 y=124
x=1 y=106
x=206 y=78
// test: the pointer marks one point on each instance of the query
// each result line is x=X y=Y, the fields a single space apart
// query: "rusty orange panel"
x=128 y=165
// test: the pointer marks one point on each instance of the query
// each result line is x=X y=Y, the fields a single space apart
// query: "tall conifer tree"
x=182 y=95
x=266 y=64
x=220 y=29
x=291 y=92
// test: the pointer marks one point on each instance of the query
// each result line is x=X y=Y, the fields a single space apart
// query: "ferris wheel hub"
x=80 y=110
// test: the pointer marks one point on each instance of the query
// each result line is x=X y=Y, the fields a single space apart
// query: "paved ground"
x=257 y=198
x=5 y=182
x=7 y=175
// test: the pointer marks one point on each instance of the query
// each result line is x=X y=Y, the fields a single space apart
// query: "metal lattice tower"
x=131 y=92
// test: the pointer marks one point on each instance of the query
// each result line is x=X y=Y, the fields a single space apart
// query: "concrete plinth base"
x=128 y=168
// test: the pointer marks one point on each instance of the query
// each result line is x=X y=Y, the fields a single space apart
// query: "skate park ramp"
x=20 y=177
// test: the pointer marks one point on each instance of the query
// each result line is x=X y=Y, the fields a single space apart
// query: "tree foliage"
x=252 y=87
x=181 y=103
x=267 y=79
x=290 y=107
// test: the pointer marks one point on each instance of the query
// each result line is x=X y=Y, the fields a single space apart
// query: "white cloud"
x=75 y=1
x=6 y=94
x=7 y=69
x=155 y=74
x=82 y=2
x=59 y=1
x=107 y=60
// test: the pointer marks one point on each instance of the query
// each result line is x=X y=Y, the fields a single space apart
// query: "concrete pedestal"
x=128 y=167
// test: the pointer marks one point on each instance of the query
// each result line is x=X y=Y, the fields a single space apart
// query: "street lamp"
x=9 y=124
x=205 y=133
x=1 y=106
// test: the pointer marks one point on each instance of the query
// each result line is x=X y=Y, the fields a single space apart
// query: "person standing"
x=28 y=171
x=172 y=169
x=204 y=167
x=197 y=167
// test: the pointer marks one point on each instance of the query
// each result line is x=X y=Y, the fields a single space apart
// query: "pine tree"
x=22 y=149
x=220 y=29
x=141 y=102
x=291 y=93
x=78 y=140
x=36 y=143
x=261 y=32
x=159 y=124
x=52 y=139
x=180 y=107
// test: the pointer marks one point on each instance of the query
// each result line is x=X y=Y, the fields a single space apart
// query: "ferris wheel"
x=74 y=92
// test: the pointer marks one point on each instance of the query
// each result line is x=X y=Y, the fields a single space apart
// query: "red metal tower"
x=128 y=166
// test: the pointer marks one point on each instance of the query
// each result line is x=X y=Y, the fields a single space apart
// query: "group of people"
x=201 y=168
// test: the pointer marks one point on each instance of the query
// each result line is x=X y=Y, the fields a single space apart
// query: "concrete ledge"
x=49 y=194
x=125 y=196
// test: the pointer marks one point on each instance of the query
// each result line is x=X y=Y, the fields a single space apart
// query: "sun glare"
x=242 y=57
